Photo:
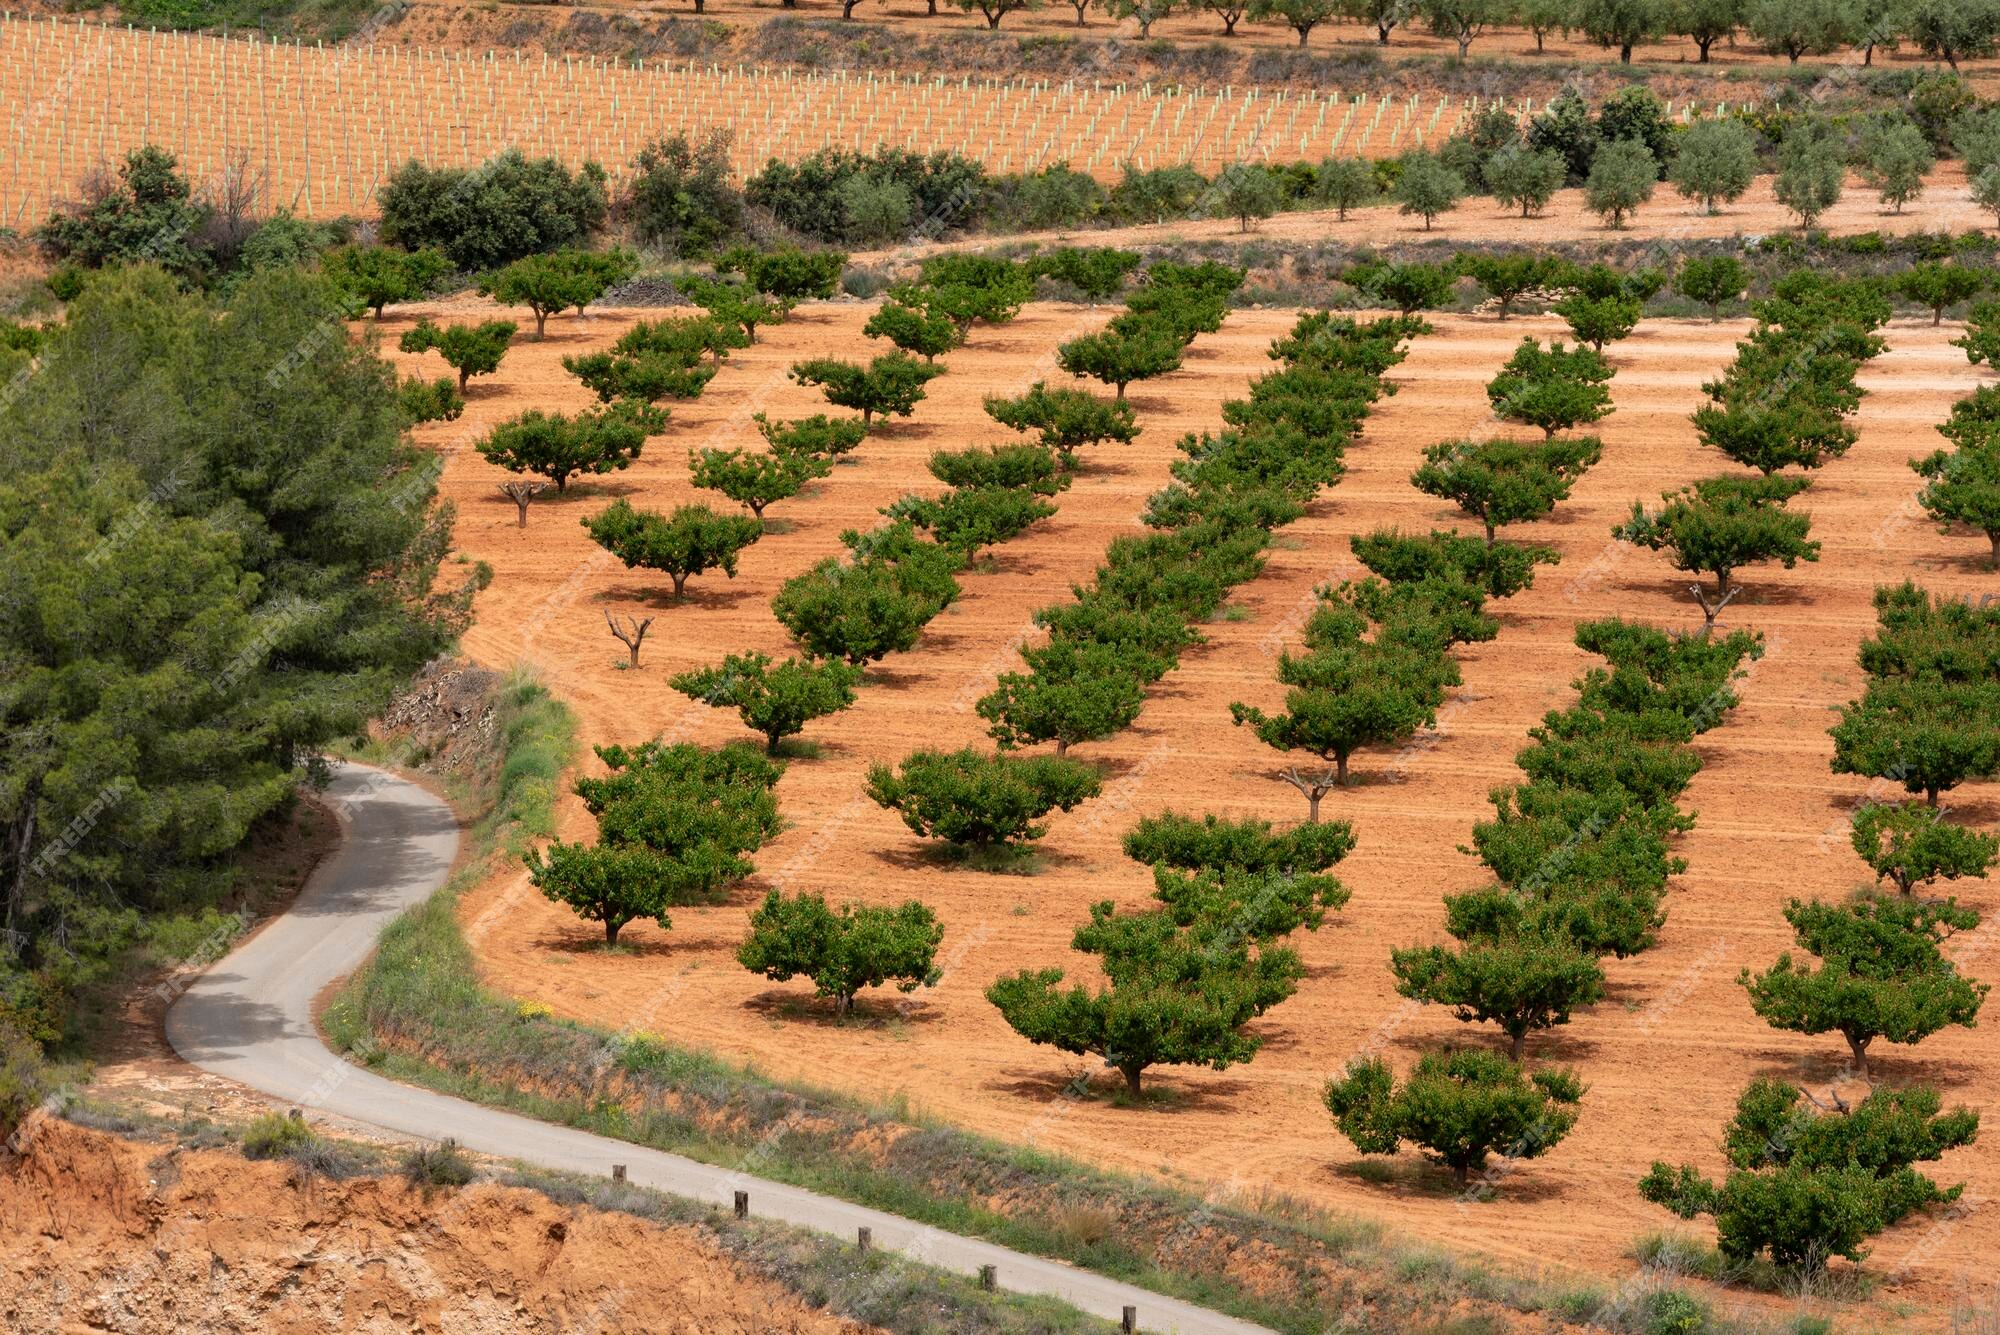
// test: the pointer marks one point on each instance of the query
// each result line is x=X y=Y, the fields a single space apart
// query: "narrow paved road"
x=250 y=1018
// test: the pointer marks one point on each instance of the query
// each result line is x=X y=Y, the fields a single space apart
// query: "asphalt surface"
x=249 y=1018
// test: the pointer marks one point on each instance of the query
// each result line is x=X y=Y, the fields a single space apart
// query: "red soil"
x=1664 y=1055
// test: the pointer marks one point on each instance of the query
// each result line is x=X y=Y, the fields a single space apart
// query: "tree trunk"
x=463 y=376
x=992 y=21
x=1132 y=1074
x=1228 y=27
x=1937 y=315
x=1062 y=746
x=1994 y=538
x=1464 y=44
x=562 y=484
x=843 y=1004
x=1312 y=807
x=1489 y=533
x=1517 y=1042
x=680 y=584
x=1303 y=34
x=1931 y=796
x=1461 y=1173
x=1121 y=391
x=611 y=932
x=521 y=504
x=1859 y=1047
x=1340 y=770
x=1625 y=54
x=1382 y=34
x=541 y=323
x=1704 y=45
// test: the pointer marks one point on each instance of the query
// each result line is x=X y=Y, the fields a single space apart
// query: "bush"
x=442 y=1164
x=1622 y=176
x=1716 y=163
x=147 y=215
x=972 y=800
x=680 y=199
x=491 y=215
x=815 y=196
x=273 y=1136
x=23 y=1079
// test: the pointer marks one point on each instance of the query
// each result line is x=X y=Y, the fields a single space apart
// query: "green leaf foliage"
x=842 y=950
x=774 y=699
x=972 y=800
x=1458 y=1106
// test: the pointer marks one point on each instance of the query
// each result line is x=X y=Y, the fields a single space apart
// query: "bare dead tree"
x=521 y=493
x=633 y=632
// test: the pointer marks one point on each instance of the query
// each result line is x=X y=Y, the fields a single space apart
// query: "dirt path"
x=1664 y=1056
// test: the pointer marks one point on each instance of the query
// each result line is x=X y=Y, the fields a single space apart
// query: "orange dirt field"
x=1664 y=1055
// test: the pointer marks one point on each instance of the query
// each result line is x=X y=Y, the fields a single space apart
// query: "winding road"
x=249 y=1018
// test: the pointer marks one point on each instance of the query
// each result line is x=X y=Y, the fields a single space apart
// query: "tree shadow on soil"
x=873 y=1011
x=1160 y=1092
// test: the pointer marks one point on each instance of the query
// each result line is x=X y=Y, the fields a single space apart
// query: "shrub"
x=487 y=216
x=442 y=1164
x=1712 y=281
x=148 y=215
x=972 y=801
x=842 y=951
x=680 y=199
x=274 y=1135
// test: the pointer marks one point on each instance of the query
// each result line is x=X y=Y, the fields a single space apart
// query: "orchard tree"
x=815 y=437
x=1341 y=698
x=1622 y=177
x=1098 y=272
x=777 y=700
x=1301 y=16
x=1408 y=288
x=1881 y=974
x=1807 y=1186
x=1623 y=24
x=1520 y=982
x=1928 y=735
x=1118 y=359
x=891 y=385
x=1718 y=526
x=863 y=610
x=468 y=349
x=1427 y=188
x=557 y=281
x=1031 y=468
x=734 y=302
x=1499 y=482
x=1073 y=691
x=1599 y=320
x=1716 y=163
x=1542 y=17
x=1252 y=845
x=1810 y=173
x=1895 y=159
x=1908 y=845
x=1143 y=12
x=1462 y=21
x=1554 y=388
x=378 y=276
x=966 y=519
x=420 y=400
x=1176 y=996
x=560 y=447
x=1712 y=281
x=842 y=951
x=1381 y=15
x=1458 y=1106
x=674 y=825
x=753 y=480
x=912 y=328
x=1794 y=28
x=1247 y=192
x=974 y=801
x=691 y=541
x=1346 y=183
x=1703 y=21
x=1964 y=489
x=1940 y=286
x=1510 y=277
x=787 y=273
x=1530 y=177
x=1951 y=30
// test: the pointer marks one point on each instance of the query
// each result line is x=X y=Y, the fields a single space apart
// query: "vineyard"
x=324 y=127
